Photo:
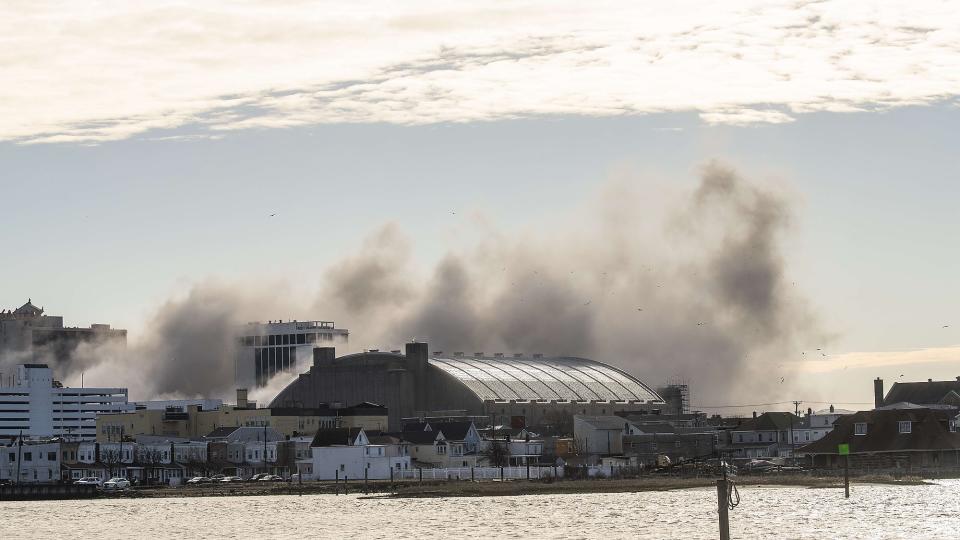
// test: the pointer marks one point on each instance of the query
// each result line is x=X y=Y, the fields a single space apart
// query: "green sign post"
x=844 y=450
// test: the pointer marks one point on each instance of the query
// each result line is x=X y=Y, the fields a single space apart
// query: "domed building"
x=514 y=388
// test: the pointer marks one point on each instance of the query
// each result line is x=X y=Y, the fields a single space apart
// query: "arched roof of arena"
x=502 y=378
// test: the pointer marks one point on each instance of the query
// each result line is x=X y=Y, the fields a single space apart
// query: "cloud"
x=74 y=74
x=944 y=356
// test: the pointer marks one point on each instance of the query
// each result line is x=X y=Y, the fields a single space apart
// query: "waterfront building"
x=443 y=444
x=32 y=335
x=528 y=389
x=348 y=453
x=30 y=461
x=265 y=349
x=912 y=439
x=39 y=406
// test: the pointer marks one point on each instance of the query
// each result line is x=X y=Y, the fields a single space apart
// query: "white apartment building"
x=36 y=462
x=265 y=349
x=38 y=406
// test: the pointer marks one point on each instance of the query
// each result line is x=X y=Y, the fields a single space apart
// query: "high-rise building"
x=30 y=335
x=265 y=349
x=36 y=405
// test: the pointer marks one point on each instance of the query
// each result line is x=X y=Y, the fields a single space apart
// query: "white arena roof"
x=543 y=379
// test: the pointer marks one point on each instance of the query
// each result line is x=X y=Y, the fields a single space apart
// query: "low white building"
x=39 y=407
x=31 y=462
x=348 y=454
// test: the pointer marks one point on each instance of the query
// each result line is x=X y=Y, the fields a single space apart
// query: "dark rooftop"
x=924 y=393
x=929 y=430
x=336 y=436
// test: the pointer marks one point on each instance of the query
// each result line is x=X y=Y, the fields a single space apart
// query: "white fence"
x=480 y=473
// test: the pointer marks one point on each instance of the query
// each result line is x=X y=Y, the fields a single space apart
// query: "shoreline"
x=438 y=489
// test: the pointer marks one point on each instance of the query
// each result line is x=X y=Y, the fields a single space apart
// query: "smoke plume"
x=663 y=282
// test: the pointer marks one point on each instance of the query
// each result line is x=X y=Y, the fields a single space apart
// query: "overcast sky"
x=145 y=147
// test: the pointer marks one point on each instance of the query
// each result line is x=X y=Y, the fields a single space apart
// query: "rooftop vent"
x=518 y=355
x=500 y=355
x=538 y=355
x=396 y=351
x=373 y=350
x=438 y=353
x=478 y=354
x=458 y=354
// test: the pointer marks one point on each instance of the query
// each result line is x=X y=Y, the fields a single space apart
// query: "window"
x=441 y=449
x=860 y=428
x=904 y=426
x=51 y=456
x=28 y=456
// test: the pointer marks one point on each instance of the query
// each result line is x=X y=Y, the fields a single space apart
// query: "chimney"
x=754 y=414
x=416 y=362
x=878 y=392
x=809 y=411
x=831 y=407
x=323 y=356
x=242 y=398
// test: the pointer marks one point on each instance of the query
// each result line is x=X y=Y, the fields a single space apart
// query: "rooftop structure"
x=265 y=349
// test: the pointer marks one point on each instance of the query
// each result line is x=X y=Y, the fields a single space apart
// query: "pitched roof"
x=420 y=437
x=28 y=309
x=221 y=432
x=336 y=436
x=415 y=426
x=929 y=430
x=453 y=431
x=921 y=392
x=771 y=421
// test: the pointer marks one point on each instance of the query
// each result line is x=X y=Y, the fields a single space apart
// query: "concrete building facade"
x=38 y=406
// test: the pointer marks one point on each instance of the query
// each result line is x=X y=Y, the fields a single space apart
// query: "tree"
x=151 y=459
x=111 y=457
x=497 y=453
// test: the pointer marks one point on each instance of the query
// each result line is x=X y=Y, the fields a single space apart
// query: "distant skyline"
x=261 y=145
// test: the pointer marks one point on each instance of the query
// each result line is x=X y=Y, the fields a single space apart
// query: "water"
x=873 y=511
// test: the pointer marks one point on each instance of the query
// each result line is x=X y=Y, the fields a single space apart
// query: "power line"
x=782 y=403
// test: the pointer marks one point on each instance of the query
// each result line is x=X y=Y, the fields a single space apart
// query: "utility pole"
x=793 y=443
x=264 y=446
x=19 y=454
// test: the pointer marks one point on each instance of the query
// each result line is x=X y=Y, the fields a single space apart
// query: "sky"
x=148 y=147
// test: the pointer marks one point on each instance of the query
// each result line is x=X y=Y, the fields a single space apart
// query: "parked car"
x=270 y=478
x=760 y=465
x=217 y=477
x=89 y=481
x=199 y=480
x=116 y=484
x=257 y=476
x=231 y=479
